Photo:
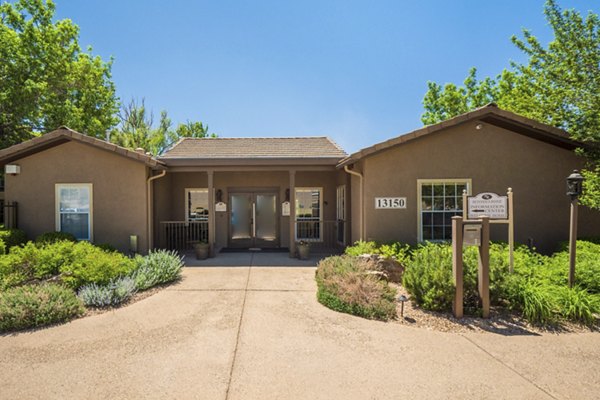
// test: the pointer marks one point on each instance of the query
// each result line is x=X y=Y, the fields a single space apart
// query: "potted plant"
x=202 y=250
x=303 y=248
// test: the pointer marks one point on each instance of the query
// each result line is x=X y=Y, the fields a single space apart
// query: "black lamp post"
x=574 y=189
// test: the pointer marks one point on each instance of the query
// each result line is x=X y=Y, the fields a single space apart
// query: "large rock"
x=388 y=268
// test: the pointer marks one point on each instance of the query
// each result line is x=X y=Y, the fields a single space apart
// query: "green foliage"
x=76 y=263
x=428 y=277
x=399 y=252
x=46 y=80
x=577 y=304
x=51 y=237
x=12 y=237
x=112 y=294
x=345 y=285
x=33 y=306
x=137 y=129
x=558 y=85
x=538 y=288
x=93 y=265
x=159 y=266
x=109 y=248
x=360 y=248
x=2 y=247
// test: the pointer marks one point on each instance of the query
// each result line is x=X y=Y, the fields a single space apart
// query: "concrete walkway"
x=258 y=333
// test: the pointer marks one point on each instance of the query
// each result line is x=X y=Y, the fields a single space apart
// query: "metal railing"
x=322 y=235
x=9 y=215
x=181 y=235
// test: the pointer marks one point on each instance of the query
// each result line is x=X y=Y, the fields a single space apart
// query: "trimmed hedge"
x=37 y=305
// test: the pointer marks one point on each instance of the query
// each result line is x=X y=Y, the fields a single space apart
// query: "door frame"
x=253 y=191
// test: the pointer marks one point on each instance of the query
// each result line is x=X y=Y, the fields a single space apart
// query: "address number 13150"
x=390 y=202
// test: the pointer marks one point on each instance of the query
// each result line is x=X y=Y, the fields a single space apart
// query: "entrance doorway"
x=253 y=220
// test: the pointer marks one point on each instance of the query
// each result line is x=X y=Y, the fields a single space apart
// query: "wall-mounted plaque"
x=220 y=207
x=285 y=209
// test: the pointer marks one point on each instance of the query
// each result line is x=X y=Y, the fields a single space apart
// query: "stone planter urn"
x=202 y=250
x=303 y=249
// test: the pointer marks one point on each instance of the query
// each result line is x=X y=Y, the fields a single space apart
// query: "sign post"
x=499 y=209
x=474 y=232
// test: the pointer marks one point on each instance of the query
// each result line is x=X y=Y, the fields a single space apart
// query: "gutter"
x=360 y=197
x=149 y=208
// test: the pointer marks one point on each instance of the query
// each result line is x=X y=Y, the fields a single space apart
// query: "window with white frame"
x=196 y=204
x=309 y=206
x=439 y=201
x=74 y=210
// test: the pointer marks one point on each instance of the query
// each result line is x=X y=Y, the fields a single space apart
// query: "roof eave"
x=255 y=161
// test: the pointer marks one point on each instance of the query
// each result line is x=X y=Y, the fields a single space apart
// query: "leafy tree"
x=559 y=85
x=45 y=79
x=137 y=129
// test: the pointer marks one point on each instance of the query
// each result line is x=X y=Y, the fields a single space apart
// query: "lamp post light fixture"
x=574 y=190
x=402 y=299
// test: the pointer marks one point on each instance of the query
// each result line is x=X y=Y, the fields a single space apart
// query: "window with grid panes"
x=440 y=201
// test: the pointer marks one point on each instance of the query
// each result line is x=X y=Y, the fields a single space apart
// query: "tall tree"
x=559 y=85
x=45 y=78
x=136 y=129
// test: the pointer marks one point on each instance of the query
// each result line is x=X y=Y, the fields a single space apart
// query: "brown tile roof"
x=63 y=135
x=491 y=114
x=255 y=148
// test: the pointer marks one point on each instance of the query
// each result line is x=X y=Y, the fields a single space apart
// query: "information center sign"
x=489 y=204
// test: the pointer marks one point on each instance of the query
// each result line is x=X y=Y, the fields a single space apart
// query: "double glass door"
x=253 y=220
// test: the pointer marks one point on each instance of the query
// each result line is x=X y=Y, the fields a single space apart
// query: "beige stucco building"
x=270 y=193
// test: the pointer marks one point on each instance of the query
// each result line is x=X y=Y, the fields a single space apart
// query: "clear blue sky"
x=352 y=70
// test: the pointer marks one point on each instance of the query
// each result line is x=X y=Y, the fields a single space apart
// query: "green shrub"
x=33 y=306
x=112 y=294
x=587 y=268
x=2 y=247
x=359 y=248
x=52 y=237
x=34 y=262
x=428 y=277
x=159 y=266
x=12 y=237
x=107 y=247
x=345 y=284
x=89 y=264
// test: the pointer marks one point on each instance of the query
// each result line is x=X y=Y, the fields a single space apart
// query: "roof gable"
x=491 y=114
x=63 y=135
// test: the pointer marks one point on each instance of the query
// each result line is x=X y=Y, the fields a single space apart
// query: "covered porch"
x=251 y=208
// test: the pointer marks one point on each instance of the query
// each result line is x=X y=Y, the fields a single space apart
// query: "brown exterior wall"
x=169 y=195
x=119 y=192
x=495 y=159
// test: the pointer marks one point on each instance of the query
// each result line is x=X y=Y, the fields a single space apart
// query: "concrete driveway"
x=258 y=333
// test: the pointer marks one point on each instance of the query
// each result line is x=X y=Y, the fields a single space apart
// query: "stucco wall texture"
x=494 y=159
x=119 y=192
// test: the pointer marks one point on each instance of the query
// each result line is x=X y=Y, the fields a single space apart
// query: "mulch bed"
x=500 y=322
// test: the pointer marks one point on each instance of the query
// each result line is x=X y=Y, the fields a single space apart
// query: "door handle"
x=253 y=219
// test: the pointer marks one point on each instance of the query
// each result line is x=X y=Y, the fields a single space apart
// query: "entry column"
x=211 y=212
x=292 y=213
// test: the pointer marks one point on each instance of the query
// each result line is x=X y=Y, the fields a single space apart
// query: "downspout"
x=149 y=208
x=360 y=198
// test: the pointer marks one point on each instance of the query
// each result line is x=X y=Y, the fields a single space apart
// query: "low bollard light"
x=402 y=299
